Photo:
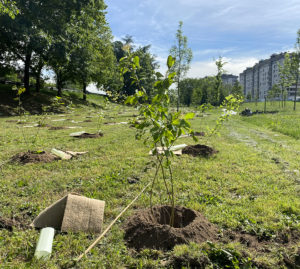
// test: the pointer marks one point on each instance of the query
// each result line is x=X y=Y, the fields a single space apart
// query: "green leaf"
x=136 y=61
x=159 y=75
x=170 y=61
x=189 y=116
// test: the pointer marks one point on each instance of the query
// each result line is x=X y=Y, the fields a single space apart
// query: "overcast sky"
x=243 y=32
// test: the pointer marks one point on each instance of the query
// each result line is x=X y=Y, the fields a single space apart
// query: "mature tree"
x=147 y=63
x=236 y=89
x=147 y=71
x=202 y=91
x=119 y=51
x=183 y=57
x=8 y=7
x=92 y=58
x=187 y=87
x=38 y=22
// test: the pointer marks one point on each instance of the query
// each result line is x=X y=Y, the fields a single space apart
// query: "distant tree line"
x=198 y=91
x=71 y=38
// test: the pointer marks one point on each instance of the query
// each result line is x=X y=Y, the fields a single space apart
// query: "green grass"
x=252 y=184
x=286 y=122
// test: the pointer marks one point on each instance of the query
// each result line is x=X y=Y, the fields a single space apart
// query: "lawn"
x=250 y=187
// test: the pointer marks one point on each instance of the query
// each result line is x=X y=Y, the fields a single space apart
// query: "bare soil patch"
x=88 y=135
x=8 y=224
x=57 y=128
x=199 y=133
x=150 y=228
x=33 y=157
x=199 y=150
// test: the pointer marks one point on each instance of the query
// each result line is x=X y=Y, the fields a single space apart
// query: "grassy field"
x=252 y=186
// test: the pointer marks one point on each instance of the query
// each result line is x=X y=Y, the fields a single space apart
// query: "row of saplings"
x=163 y=227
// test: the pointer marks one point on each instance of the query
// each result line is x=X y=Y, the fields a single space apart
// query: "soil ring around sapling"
x=199 y=150
x=199 y=133
x=150 y=228
x=88 y=135
x=53 y=128
x=34 y=157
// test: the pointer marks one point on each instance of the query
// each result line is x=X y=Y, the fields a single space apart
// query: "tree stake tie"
x=111 y=224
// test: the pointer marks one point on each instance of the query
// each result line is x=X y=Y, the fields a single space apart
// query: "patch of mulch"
x=199 y=150
x=52 y=128
x=34 y=157
x=87 y=121
x=199 y=133
x=88 y=135
x=150 y=228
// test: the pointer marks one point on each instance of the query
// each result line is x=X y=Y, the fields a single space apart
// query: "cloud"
x=243 y=32
x=233 y=66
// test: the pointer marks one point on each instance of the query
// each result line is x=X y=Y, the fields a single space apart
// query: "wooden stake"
x=111 y=224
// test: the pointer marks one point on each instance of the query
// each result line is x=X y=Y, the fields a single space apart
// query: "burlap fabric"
x=73 y=213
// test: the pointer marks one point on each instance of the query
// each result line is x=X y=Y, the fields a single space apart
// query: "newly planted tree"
x=285 y=77
x=159 y=125
x=183 y=57
x=295 y=67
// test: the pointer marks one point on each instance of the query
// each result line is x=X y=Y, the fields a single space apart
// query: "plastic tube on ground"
x=44 y=246
x=177 y=147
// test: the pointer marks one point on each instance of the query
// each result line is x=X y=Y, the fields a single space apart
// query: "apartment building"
x=229 y=79
x=259 y=79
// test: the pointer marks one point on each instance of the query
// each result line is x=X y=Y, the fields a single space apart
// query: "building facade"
x=259 y=79
x=229 y=79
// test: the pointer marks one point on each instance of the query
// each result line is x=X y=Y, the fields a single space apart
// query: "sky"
x=242 y=32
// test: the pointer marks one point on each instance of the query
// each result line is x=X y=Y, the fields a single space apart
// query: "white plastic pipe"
x=177 y=147
x=44 y=246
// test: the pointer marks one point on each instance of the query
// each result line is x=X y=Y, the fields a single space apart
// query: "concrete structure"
x=229 y=79
x=256 y=81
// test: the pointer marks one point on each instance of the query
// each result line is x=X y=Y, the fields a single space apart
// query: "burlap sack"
x=73 y=213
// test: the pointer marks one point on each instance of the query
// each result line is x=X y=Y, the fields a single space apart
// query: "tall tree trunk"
x=38 y=76
x=58 y=83
x=59 y=89
x=26 y=71
x=84 y=91
x=296 y=89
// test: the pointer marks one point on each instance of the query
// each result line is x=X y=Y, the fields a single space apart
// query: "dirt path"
x=278 y=148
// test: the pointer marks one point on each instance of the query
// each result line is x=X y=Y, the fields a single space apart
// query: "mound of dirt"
x=199 y=133
x=150 y=228
x=199 y=150
x=8 y=224
x=57 y=128
x=88 y=135
x=34 y=157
